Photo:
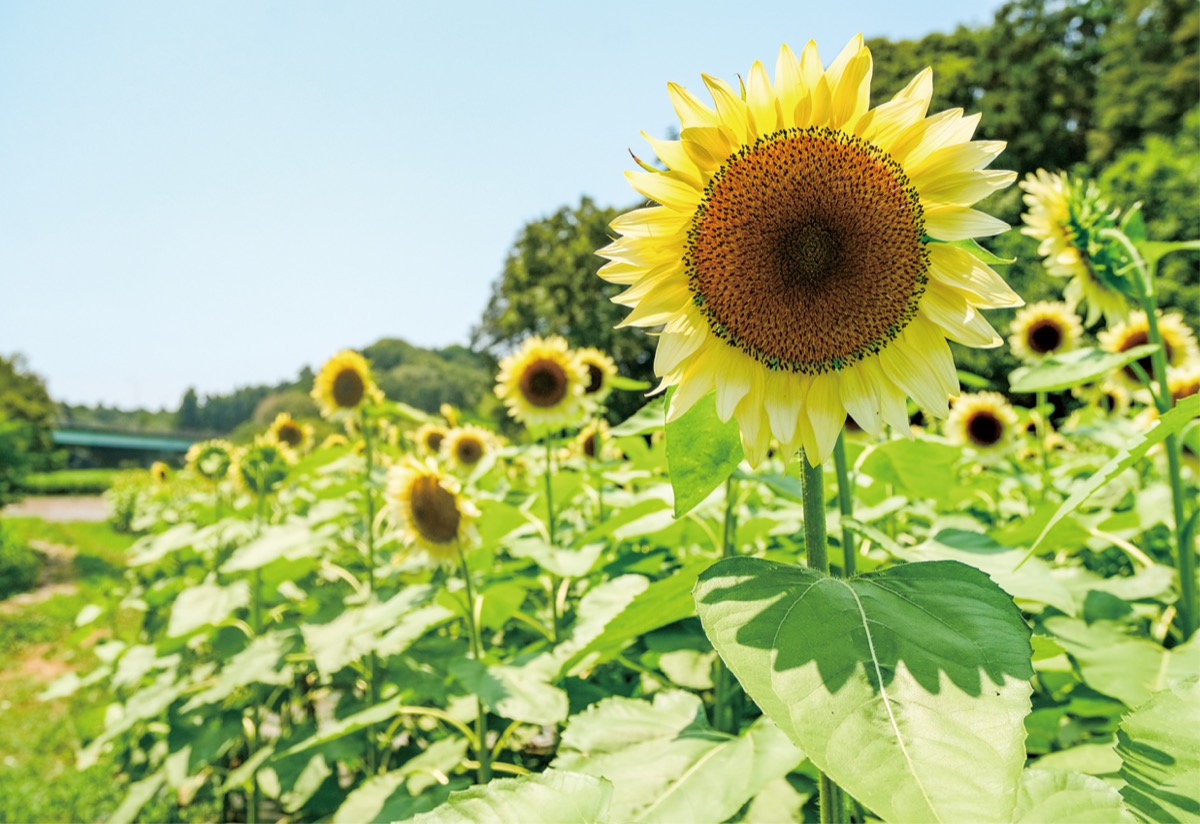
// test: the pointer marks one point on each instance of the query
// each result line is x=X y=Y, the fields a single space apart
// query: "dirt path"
x=56 y=577
x=60 y=508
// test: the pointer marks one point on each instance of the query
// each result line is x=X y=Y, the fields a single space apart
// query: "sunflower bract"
x=793 y=260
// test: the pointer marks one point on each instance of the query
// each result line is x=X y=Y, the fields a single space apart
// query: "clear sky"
x=216 y=193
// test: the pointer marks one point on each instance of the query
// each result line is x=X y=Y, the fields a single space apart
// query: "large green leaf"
x=667 y=765
x=257 y=663
x=139 y=794
x=646 y=420
x=519 y=693
x=907 y=686
x=1124 y=666
x=702 y=452
x=397 y=795
x=282 y=553
x=1074 y=368
x=206 y=605
x=918 y=468
x=1170 y=423
x=596 y=609
x=1067 y=798
x=1159 y=745
x=561 y=797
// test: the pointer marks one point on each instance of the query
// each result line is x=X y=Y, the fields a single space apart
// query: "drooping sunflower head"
x=541 y=384
x=1044 y=329
x=262 y=467
x=466 y=445
x=600 y=370
x=210 y=459
x=794 y=258
x=430 y=509
x=1178 y=341
x=983 y=420
x=160 y=472
x=344 y=384
x=289 y=432
x=1067 y=217
x=429 y=437
x=594 y=442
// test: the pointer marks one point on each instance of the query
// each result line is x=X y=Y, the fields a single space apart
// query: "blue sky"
x=214 y=194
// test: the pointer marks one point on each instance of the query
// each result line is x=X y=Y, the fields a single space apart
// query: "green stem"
x=1042 y=433
x=724 y=718
x=845 y=504
x=555 y=616
x=1185 y=557
x=372 y=659
x=817 y=555
x=484 y=772
x=256 y=708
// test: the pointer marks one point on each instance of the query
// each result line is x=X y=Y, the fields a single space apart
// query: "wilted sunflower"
x=792 y=257
x=1179 y=344
x=261 y=467
x=542 y=384
x=344 y=384
x=159 y=471
x=429 y=437
x=1060 y=213
x=431 y=511
x=1044 y=329
x=289 y=432
x=466 y=445
x=210 y=459
x=600 y=372
x=984 y=420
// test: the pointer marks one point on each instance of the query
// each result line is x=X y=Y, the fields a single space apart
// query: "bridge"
x=91 y=446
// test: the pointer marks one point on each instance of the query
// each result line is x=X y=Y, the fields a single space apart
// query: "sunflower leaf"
x=1074 y=368
x=702 y=452
x=972 y=247
x=1159 y=761
x=552 y=795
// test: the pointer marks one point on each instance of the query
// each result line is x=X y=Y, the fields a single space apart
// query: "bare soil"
x=60 y=508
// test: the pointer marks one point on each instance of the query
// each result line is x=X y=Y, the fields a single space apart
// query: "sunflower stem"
x=555 y=615
x=817 y=556
x=845 y=504
x=483 y=755
x=369 y=527
x=1185 y=557
x=724 y=718
x=1042 y=422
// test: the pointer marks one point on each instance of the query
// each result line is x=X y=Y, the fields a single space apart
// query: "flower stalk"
x=484 y=771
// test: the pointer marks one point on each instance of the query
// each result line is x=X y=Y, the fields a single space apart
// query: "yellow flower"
x=292 y=434
x=429 y=437
x=210 y=459
x=334 y=441
x=261 y=467
x=791 y=260
x=1053 y=203
x=432 y=513
x=160 y=472
x=600 y=372
x=593 y=435
x=542 y=384
x=344 y=384
x=984 y=420
x=1044 y=329
x=1179 y=343
x=466 y=445
x=449 y=413
x=1110 y=397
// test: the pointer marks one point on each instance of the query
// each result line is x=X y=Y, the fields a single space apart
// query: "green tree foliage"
x=26 y=417
x=427 y=378
x=295 y=402
x=549 y=286
x=188 y=416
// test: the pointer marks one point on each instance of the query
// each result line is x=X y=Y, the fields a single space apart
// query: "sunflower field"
x=822 y=574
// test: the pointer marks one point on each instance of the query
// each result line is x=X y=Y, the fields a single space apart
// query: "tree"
x=26 y=418
x=549 y=286
x=188 y=416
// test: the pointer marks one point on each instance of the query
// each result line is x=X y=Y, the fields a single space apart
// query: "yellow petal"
x=679 y=341
x=694 y=383
x=948 y=160
x=850 y=51
x=825 y=413
x=689 y=108
x=731 y=108
x=664 y=188
x=852 y=95
x=883 y=124
x=733 y=382
x=964 y=188
x=960 y=223
x=893 y=402
x=671 y=153
x=784 y=402
x=651 y=221
x=760 y=99
x=707 y=146
x=928 y=129
x=660 y=306
x=861 y=400
x=920 y=89
x=957 y=318
x=967 y=274
x=789 y=82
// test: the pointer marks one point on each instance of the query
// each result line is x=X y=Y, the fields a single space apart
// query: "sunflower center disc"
x=348 y=388
x=595 y=379
x=434 y=441
x=985 y=430
x=1045 y=337
x=544 y=383
x=290 y=434
x=1134 y=340
x=434 y=511
x=469 y=452
x=806 y=252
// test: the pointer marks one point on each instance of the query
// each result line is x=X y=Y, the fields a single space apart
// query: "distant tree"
x=26 y=419
x=188 y=416
x=549 y=286
x=295 y=402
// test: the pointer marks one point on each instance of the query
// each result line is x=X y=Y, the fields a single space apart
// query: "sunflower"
x=429 y=437
x=1110 y=397
x=792 y=257
x=210 y=459
x=1184 y=381
x=1044 y=329
x=1060 y=212
x=448 y=412
x=344 y=384
x=160 y=472
x=334 y=441
x=289 y=432
x=542 y=384
x=594 y=435
x=432 y=513
x=984 y=420
x=466 y=445
x=600 y=372
x=1179 y=344
x=261 y=467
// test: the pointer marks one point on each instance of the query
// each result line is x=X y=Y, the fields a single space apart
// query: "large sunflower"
x=600 y=372
x=542 y=384
x=1044 y=329
x=1179 y=343
x=792 y=260
x=431 y=510
x=1058 y=216
x=344 y=384
x=983 y=420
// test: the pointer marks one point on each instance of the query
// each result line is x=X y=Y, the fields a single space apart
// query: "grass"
x=70 y=481
x=40 y=643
